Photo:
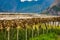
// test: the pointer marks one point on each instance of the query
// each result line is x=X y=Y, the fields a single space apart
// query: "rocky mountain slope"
x=55 y=8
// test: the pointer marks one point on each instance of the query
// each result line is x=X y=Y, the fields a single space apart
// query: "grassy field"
x=40 y=31
x=38 y=28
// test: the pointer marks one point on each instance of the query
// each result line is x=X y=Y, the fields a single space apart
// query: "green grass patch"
x=48 y=36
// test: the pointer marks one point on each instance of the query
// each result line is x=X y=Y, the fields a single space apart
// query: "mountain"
x=54 y=9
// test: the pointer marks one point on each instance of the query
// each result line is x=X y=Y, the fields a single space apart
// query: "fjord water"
x=24 y=7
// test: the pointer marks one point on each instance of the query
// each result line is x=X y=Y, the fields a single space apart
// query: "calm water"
x=18 y=6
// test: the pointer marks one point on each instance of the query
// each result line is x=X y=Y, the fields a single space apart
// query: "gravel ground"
x=10 y=16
